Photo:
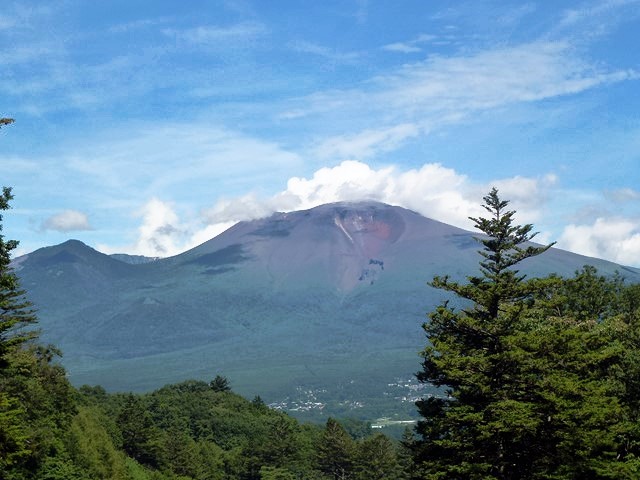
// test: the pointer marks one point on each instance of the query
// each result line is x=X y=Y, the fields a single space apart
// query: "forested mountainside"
x=539 y=379
x=190 y=430
x=318 y=311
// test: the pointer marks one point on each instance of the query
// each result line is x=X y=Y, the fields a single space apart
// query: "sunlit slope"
x=304 y=298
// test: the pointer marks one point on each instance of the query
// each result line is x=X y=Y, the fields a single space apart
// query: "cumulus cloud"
x=616 y=239
x=163 y=233
x=67 y=221
x=160 y=232
x=432 y=190
x=247 y=207
x=527 y=194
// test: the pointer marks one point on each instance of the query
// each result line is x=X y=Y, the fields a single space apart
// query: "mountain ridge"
x=309 y=299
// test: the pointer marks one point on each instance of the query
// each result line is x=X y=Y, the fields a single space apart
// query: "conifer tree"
x=15 y=310
x=541 y=375
x=476 y=432
x=335 y=451
x=376 y=459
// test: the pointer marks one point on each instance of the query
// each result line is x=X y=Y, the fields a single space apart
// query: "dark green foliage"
x=405 y=452
x=220 y=384
x=15 y=310
x=211 y=434
x=275 y=473
x=539 y=373
x=14 y=434
x=467 y=354
x=336 y=451
x=357 y=429
x=376 y=459
x=40 y=409
x=36 y=402
x=191 y=430
x=141 y=440
x=92 y=448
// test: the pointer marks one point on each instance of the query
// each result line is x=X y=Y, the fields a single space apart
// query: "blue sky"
x=149 y=127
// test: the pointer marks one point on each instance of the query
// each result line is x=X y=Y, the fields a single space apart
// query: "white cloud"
x=493 y=78
x=622 y=195
x=207 y=233
x=137 y=25
x=440 y=91
x=217 y=36
x=401 y=47
x=164 y=157
x=25 y=54
x=247 y=207
x=526 y=195
x=160 y=232
x=513 y=17
x=327 y=53
x=67 y=221
x=366 y=143
x=616 y=239
x=410 y=46
x=16 y=163
x=432 y=190
x=163 y=233
x=592 y=13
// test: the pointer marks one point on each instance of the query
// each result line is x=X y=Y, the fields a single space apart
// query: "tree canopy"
x=539 y=375
x=15 y=310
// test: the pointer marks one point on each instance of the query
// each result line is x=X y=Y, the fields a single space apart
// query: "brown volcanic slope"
x=313 y=298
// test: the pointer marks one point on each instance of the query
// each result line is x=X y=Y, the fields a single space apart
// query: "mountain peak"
x=306 y=293
x=72 y=255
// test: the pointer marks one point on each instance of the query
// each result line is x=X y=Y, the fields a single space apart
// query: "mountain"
x=309 y=308
x=134 y=259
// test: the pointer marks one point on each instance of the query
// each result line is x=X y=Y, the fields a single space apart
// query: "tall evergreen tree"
x=335 y=451
x=15 y=310
x=376 y=459
x=467 y=354
x=541 y=374
x=15 y=315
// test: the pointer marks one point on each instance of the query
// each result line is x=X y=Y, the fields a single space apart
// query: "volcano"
x=308 y=301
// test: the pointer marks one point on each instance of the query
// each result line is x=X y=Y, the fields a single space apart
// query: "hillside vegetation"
x=538 y=378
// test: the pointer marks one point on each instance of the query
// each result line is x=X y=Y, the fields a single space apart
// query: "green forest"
x=541 y=375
